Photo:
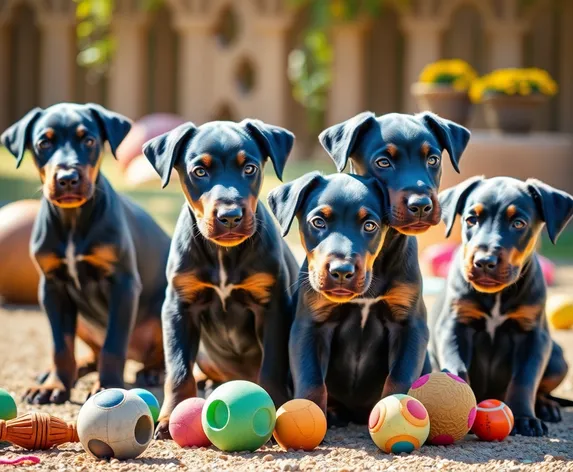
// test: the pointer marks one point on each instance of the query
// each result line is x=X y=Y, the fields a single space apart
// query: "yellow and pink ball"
x=399 y=423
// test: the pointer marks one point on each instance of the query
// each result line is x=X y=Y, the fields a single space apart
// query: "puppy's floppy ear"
x=114 y=125
x=273 y=141
x=17 y=137
x=340 y=140
x=453 y=200
x=286 y=200
x=164 y=150
x=555 y=206
x=451 y=136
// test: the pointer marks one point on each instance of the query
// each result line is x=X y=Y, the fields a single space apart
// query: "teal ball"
x=239 y=416
x=150 y=401
x=8 y=408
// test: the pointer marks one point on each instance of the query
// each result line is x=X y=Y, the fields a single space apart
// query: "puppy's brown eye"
x=433 y=161
x=250 y=169
x=519 y=224
x=383 y=162
x=199 y=171
x=318 y=222
x=471 y=221
x=44 y=144
x=90 y=142
x=370 y=226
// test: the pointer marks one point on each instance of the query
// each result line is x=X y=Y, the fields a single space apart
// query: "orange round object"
x=18 y=277
x=494 y=421
x=301 y=424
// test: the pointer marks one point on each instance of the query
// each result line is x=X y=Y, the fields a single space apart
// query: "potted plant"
x=443 y=88
x=511 y=97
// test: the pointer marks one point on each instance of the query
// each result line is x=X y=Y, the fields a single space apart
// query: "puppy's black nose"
x=485 y=260
x=420 y=205
x=230 y=217
x=67 y=179
x=341 y=270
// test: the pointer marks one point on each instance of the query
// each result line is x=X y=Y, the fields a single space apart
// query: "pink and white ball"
x=185 y=424
x=451 y=405
x=399 y=423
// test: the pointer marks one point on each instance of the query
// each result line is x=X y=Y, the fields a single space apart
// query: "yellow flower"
x=453 y=72
x=512 y=81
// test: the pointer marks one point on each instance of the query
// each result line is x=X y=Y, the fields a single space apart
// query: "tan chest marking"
x=400 y=298
x=525 y=315
x=103 y=257
x=259 y=285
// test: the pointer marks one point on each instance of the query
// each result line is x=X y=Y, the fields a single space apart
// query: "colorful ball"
x=399 y=423
x=300 y=424
x=559 y=310
x=185 y=424
x=451 y=404
x=150 y=400
x=494 y=421
x=115 y=423
x=239 y=416
x=8 y=408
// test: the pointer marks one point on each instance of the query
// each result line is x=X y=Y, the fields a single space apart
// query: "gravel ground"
x=25 y=345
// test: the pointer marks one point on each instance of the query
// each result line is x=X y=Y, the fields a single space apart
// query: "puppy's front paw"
x=547 y=410
x=50 y=390
x=528 y=426
x=162 y=430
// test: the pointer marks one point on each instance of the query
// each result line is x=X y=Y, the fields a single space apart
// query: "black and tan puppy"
x=360 y=330
x=489 y=326
x=99 y=255
x=228 y=305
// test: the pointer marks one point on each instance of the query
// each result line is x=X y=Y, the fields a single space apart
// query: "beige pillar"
x=272 y=84
x=423 y=44
x=505 y=44
x=194 y=81
x=57 y=58
x=565 y=79
x=128 y=84
x=5 y=75
x=347 y=92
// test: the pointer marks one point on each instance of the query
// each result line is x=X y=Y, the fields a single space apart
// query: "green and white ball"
x=115 y=423
x=399 y=423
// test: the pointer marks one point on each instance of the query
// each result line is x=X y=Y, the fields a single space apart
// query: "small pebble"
x=223 y=457
x=268 y=458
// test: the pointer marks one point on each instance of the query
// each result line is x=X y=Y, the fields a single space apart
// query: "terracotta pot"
x=512 y=113
x=443 y=100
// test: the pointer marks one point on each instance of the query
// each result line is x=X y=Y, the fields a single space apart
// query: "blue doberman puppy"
x=360 y=331
x=99 y=255
x=489 y=325
x=228 y=305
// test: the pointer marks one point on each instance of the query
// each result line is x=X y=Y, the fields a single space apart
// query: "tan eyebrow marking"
x=206 y=159
x=478 y=209
x=50 y=133
x=81 y=131
x=362 y=213
x=425 y=149
x=511 y=210
x=392 y=149
x=326 y=211
x=241 y=157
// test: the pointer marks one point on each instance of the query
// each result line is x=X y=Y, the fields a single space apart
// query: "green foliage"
x=94 y=39
x=310 y=65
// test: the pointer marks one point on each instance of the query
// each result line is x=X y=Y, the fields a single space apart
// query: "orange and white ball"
x=300 y=424
x=451 y=404
x=399 y=423
x=494 y=421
